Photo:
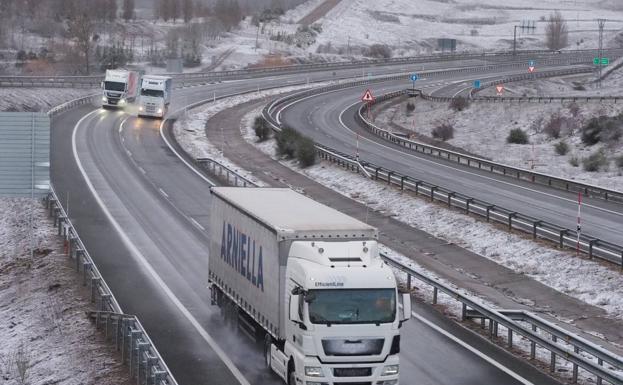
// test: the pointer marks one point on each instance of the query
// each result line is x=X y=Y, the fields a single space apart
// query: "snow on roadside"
x=189 y=130
x=484 y=127
x=38 y=99
x=559 y=270
x=43 y=306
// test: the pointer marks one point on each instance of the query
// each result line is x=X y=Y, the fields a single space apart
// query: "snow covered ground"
x=42 y=307
x=37 y=99
x=484 y=127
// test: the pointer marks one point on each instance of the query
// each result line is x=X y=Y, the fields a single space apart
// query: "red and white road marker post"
x=579 y=229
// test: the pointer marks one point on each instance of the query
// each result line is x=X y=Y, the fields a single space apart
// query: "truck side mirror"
x=294 y=308
x=406 y=307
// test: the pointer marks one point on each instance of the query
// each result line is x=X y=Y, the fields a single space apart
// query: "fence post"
x=552 y=365
x=533 y=345
x=510 y=220
x=432 y=193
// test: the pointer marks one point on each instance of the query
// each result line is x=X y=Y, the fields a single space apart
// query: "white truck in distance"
x=307 y=282
x=120 y=87
x=155 y=96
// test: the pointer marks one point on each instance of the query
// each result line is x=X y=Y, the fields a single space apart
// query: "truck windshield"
x=114 y=86
x=154 y=93
x=352 y=306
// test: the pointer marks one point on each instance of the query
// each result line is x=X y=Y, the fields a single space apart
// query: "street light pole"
x=515 y=40
x=602 y=24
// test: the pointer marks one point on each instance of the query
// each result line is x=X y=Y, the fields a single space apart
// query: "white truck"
x=120 y=87
x=307 y=282
x=155 y=96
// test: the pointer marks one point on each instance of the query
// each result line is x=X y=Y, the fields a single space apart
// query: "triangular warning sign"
x=499 y=88
x=530 y=69
x=367 y=96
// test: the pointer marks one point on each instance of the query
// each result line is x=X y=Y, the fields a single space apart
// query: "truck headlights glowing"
x=160 y=110
x=121 y=101
x=140 y=108
x=390 y=370
x=104 y=99
x=313 y=371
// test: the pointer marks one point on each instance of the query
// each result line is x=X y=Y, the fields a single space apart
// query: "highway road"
x=142 y=214
x=329 y=120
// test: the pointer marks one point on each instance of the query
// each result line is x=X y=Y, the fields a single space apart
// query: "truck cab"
x=155 y=96
x=119 y=88
x=344 y=316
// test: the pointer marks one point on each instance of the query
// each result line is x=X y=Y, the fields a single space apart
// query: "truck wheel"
x=291 y=377
x=267 y=358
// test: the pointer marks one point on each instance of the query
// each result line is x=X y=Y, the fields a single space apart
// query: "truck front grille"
x=352 y=372
x=352 y=383
x=360 y=347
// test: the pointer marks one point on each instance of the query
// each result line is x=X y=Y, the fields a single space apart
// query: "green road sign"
x=604 y=61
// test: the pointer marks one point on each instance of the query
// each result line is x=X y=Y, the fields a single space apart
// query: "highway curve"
x=142 y=214
x=329 y=120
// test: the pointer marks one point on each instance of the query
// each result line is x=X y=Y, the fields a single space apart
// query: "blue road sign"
x=414 y=77
x=476 y=83
x=531 y=63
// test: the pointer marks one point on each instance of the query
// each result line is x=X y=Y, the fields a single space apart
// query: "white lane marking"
x=142 y=170
x=196 y=224
x=163 y=193
x=475 y=351
x=469 y=172
x=143 y=261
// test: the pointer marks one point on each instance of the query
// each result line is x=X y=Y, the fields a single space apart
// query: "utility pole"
x=602 y=24
x=515 y=40
x=526 y=26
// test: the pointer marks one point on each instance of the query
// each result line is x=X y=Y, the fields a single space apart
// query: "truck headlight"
x=390 y=370
x=140 y=108
x=160 y=110
x=104 y=98
x=121 y=101
x=313 y=371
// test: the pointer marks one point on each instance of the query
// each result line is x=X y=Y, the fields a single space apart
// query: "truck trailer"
x=155 y=96
x=306 y=281
x=120 y=87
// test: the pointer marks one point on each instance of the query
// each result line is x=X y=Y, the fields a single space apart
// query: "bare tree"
x=128 y=10
x=82 y=28
x=188 y=10
x=556 y=32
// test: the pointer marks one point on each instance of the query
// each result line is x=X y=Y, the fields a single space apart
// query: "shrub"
x=459 y=103
x=286 y=142
x=517 y=136
x=410 y=107
x=574 y=161
x=380 y=51
x=619 y=162
x=579 y=87
x=602 y=129
x=562 y=148
x=595 y=161
x=553 y=128
x=574 y=109
x=443 y=132
x=291 y=144
x=262 y=129
x=306 y=152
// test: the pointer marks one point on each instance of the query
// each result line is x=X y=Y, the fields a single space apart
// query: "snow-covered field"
x=483 y=129
x=42 y=306
x=37 y=99
x=474 y=23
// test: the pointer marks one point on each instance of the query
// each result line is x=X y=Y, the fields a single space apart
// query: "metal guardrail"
x=129 y=336
x=225 y=173
x=483 y=164
x=513 y=220
x=566 y=57
x=510 y=319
